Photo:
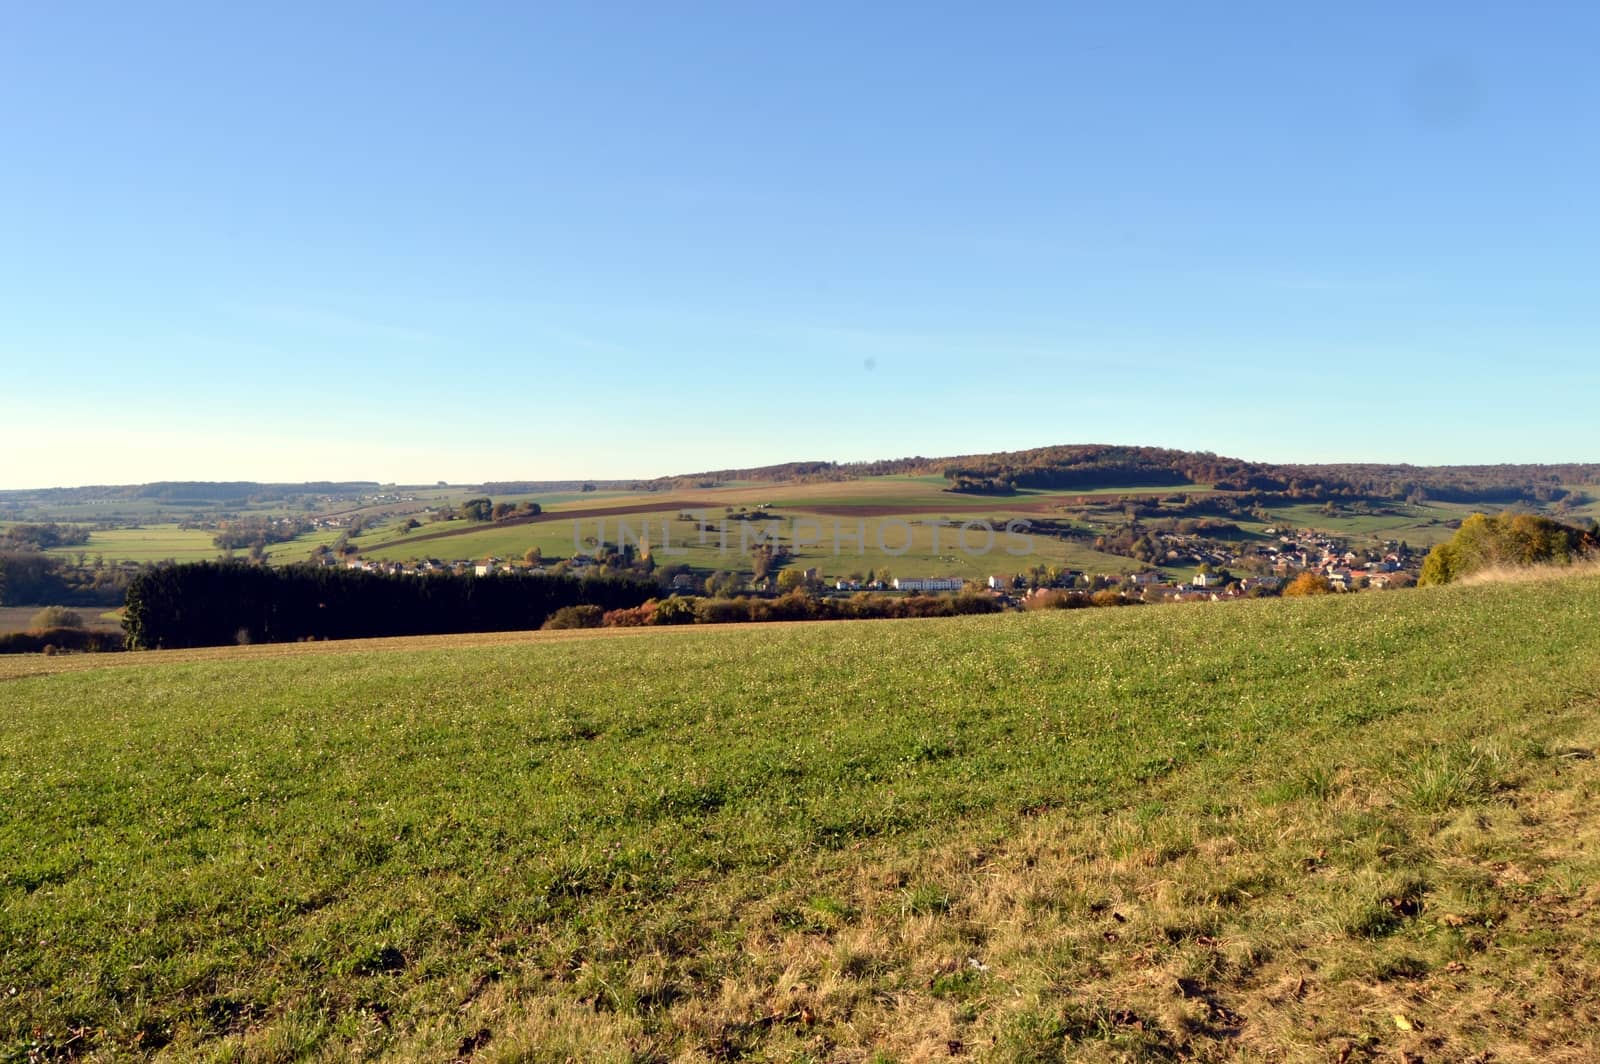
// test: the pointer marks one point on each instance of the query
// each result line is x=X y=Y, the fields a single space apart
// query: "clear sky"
x=411 y=242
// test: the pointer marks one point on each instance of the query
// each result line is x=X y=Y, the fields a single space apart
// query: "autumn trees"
x=1511 y=540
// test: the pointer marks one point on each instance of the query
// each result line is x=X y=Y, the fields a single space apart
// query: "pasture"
x=150 y=543
x=838 y=546
x=20 y=618
x=1346 y=828
x=1420 y=526
x=877 y=525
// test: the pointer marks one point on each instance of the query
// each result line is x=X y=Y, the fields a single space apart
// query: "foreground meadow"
x=1343 y=829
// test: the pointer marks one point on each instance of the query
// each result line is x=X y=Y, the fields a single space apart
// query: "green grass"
x=299 y=549
x=1223 y=831
x=1418 y=526
x=152 y=543
x=156 y=543
x=884 y=547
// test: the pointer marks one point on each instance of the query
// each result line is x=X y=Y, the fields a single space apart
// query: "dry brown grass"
x=1359 y=920
x=1522 y=574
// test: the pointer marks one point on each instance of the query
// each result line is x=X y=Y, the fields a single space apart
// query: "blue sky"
x=413 y=242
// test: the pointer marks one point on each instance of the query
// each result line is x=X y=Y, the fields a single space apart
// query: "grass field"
x=899 y=546
x=880 y=509
x=1423 y=525
x=20 y=618
x=1341 y=829
x=152 y=543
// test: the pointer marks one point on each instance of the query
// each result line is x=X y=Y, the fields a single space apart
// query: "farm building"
x=934 y=583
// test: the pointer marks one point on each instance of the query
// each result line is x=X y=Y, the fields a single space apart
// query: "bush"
x=675 y=611
x=59 y=640
x=55 y=617
x=1308 y=583
x=585 y=616
x=1059 y=600
x=1517 y=540
x=631 y=617
x=722 y=611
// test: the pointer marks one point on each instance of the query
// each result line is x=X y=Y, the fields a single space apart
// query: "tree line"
x=30 y=579
x=797 y=605
x=221 y=603
x=42 y=536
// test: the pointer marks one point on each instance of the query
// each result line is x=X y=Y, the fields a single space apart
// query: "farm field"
x=885 y=495
x=20 y=618
x=1345 y=828
x=153 y=543
x=157 y=543
x=299 y=549
x=881 y=545
x=1423 y=525
x=883 y=506
x=891 y=515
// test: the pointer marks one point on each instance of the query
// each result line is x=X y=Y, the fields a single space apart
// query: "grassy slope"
x=836 y=546
x=826 y=507
x=1248 y=831
x=152 y=543
x=1418 y=526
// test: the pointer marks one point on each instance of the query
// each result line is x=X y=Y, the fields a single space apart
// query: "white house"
x=935 y=583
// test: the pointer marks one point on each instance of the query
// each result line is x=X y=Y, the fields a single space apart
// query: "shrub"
x=969 y=602
x=584 y=616
x=722 y=611
x=55 y=617
x=675 y=611
x=1062 y=600
x=1484 y=542
x=631 y=617
x=1308 y=583
x=59 y=640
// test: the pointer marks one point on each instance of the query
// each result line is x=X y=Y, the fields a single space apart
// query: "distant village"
x=1219 y=573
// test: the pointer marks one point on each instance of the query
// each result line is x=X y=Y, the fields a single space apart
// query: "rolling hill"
x=1348 y=828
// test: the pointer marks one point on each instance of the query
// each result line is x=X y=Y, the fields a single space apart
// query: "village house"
x=935 y=583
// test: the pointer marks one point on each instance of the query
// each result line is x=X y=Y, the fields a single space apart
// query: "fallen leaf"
x=1401 y=1022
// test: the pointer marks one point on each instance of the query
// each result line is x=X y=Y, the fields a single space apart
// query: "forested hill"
x=1085 y=467
x=189 y=492
x=805 y=472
